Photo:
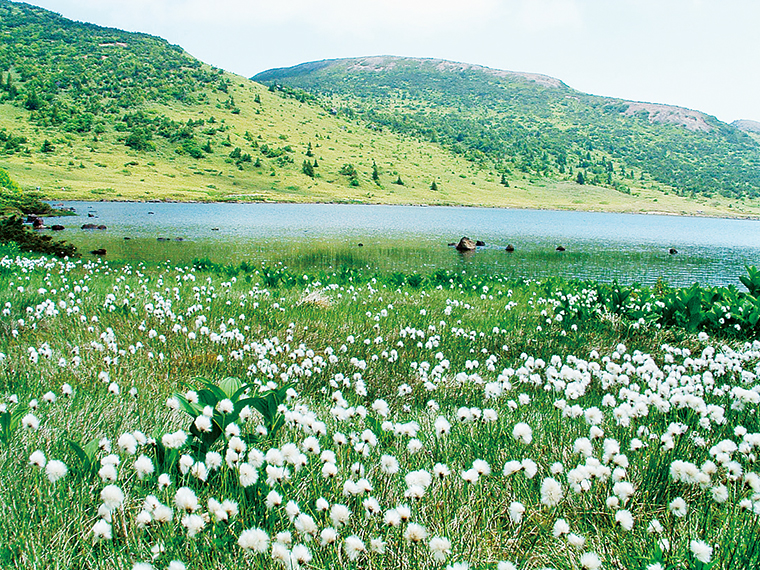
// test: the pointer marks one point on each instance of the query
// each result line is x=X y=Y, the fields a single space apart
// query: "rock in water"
x=466 y=244
x=510 y=248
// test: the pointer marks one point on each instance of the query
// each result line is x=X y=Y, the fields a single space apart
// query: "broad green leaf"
x=230 y=386
x=91 y=449
x=80 y=453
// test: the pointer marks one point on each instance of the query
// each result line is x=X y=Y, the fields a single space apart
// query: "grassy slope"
x=540 y=127
x=164 y=175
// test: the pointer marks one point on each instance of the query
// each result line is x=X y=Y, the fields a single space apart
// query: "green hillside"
x=536 y=124
x=96 y=113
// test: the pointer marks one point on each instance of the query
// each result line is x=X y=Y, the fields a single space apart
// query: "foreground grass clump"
x=181 y=417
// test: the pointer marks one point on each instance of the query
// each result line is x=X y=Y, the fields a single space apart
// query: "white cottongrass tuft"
x=194 y=524
x=254 y=539
x=440 y=547
x=560 y=527
x=203 y=424
x=415 y=533
x=164 y=481
x=624 y=519
x=377 y=545
x=37 y=459
x=55 y=470
x=112 y=497
x=300 y=555
x=576 y=540
x=701 y=551
x=101 y=530
x=144 y=466
x=339 y=515
x=248 y=475
x=590 y=561
x=186 y=500
x=678 y=507
x=328 y=536
x=30 y=421
x=522 y=433
x=354 y=546
x=389 y=465
x=174 y=440
x=516 y=512
x=551 y=492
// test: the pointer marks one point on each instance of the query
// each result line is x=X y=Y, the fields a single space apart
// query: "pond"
x=627 y=247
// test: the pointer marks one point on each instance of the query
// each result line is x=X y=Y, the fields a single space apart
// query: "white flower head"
x=516 y=511
x=144 y=466
x=55 y=470
x=415 y=533
x=440 y=548
x=701 y=551
x=112 y=497
x=37 y=459
x=590 y=561
x=551 y=492
x=101 y=530
x=678 y=507
x=225 y=406
x=254 y=539
x=522 y=433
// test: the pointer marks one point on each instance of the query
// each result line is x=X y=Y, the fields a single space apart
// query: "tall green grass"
x=484 y=352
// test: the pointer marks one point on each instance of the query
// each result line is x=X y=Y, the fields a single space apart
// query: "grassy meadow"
x=207 y=416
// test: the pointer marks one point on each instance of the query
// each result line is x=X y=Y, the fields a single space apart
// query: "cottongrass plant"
x=435 y=427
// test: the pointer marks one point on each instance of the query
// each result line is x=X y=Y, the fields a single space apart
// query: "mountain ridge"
x=692 y=119
x=385 y=60
x=501 y=115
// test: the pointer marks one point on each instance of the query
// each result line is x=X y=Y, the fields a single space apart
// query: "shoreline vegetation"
x=203 y=416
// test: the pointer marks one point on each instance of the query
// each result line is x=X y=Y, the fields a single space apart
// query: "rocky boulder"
x=466 y=244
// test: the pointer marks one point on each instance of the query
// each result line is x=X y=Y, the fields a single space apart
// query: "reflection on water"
x=629 y=248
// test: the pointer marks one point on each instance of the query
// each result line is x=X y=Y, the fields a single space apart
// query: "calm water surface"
x=629 y=248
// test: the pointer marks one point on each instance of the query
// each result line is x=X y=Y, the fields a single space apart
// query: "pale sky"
x=699 y=54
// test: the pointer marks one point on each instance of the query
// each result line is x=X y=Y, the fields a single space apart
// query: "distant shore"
x=698 y=214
